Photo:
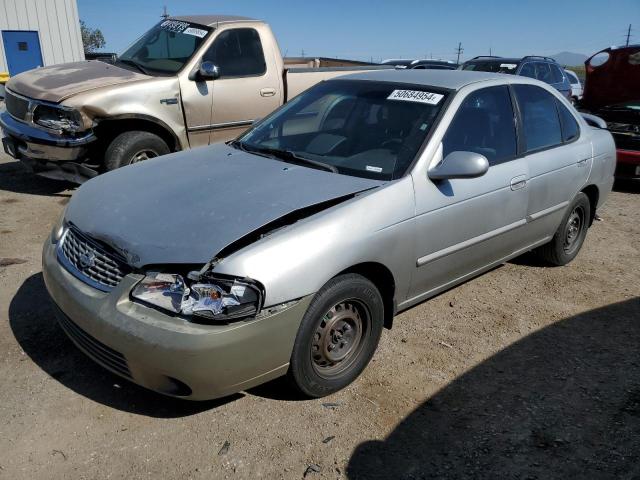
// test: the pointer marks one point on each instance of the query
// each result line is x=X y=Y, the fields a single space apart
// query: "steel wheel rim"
x=573 y=229
x=339 y=338
x=142 y=155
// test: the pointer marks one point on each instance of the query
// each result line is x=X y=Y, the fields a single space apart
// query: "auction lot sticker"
x=416 y=96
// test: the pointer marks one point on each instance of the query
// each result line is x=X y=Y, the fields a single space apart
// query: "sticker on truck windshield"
x=416 y=96
x=174 y=25
x=197 y=32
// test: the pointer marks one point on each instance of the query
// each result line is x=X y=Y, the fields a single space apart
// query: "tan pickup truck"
x=187 y=82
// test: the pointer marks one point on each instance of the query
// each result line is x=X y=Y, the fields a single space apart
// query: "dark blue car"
x=542 y=68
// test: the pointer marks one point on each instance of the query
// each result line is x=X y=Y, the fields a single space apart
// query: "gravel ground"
x=525 y=372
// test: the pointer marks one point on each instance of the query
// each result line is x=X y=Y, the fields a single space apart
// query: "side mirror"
x=460 y=165
x=206 y=71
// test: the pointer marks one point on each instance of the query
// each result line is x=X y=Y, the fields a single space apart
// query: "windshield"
x=166 y=48
x=354 y=127
x=493 y=67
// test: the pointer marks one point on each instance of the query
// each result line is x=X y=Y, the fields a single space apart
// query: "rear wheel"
x=133 y=147
x=337 y=337
x=568 y=239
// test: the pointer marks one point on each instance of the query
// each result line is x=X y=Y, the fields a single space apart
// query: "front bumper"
x=168 y=354
x=47 y=154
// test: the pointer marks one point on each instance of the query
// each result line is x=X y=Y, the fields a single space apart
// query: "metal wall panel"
x=56 y=22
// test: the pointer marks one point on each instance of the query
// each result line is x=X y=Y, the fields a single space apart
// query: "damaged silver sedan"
x=287 y=251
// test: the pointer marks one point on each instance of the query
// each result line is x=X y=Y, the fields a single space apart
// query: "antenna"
x=459 y=51
x=164 y=15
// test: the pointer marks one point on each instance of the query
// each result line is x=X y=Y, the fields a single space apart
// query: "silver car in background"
x=287 y=251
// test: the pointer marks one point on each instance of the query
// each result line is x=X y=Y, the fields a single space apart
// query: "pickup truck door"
x=558 y=162
x=248 y=86
x=465 y=225
x=197 y=98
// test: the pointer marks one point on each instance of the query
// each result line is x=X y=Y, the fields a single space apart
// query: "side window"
x=570 y=128
x=528 y=70
x=556 y=74
x=237 y=53
x=540 y=122
x=484 y=124
x=543 y=72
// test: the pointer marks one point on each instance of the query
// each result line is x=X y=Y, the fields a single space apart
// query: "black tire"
x=132 y=147
x=337 y=304
x=568 y=239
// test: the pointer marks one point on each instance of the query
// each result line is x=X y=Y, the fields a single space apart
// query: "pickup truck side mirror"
x=206 y=71
x=460 y=165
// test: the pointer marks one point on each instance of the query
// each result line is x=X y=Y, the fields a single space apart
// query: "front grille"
x=91 y=262
x=97 y=350
x=17 y=107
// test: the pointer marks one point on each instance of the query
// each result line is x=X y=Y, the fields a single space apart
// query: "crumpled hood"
x=58 y=82
x=186 y=207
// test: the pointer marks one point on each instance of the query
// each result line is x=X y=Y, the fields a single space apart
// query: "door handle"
x=267 y=92
x=582 y=163
x=518 y=182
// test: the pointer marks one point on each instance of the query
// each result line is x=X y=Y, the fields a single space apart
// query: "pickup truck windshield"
x=164 y=49
x=360 y=128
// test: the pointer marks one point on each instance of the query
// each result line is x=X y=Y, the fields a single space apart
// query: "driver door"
x=464 y=225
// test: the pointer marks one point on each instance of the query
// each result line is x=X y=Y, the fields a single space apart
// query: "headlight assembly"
x=62 y=119
x=215 y=299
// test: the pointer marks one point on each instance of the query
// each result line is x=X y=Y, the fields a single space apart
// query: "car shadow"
x=563 y=402
x=33 y=324
x=14 y=177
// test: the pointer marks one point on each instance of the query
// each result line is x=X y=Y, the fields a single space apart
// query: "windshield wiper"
x=285 y=155
x=126 y=61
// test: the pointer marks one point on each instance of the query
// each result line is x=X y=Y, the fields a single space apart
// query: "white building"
x=36 y=33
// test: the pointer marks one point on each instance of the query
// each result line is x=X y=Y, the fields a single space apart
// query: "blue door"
x=22 y=50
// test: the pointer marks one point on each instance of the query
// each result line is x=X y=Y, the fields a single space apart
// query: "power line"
x=459 y=51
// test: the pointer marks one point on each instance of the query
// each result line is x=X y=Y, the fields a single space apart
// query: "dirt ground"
x=525 y=372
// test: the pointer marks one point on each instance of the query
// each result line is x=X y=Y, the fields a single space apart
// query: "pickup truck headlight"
x=215 y=300
x=57 y=118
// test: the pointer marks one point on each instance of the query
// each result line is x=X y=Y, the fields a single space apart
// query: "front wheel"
x=337 y=337
x=568 y=239
x=133 y=147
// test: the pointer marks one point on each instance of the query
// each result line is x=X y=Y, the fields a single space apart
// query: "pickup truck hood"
x=59 y=82
x=186 y=207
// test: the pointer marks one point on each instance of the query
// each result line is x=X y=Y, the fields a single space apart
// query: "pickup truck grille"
x=91 y=262
x=17 y=107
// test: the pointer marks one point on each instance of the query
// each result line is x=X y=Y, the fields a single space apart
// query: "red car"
x=612 y=91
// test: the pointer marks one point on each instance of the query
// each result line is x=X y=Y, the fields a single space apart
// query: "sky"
x=375 y=29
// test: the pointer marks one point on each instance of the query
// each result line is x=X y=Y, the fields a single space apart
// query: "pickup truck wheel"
x=133 y=147
x=337 y=337
x=568 y=239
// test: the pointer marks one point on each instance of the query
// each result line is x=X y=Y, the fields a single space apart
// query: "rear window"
x=491 y=66
x=540 y=121
x=570 y=128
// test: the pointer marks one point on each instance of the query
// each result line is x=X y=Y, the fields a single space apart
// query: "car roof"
x=449 y=79
x=211 y=20
x=495 y=59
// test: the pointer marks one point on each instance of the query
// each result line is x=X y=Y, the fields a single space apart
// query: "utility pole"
x=164 y=15
x=628 y=34
x=302 y=53
x=459 y=51
x=490 y=52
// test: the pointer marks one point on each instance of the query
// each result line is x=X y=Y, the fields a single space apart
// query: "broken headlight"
x=57 y=118
x=219 y=299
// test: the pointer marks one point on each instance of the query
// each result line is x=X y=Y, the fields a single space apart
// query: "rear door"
x=557 y=162
x=22 y=50
x=248 y=87
x=463 y=225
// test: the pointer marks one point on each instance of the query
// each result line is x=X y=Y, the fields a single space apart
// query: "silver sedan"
x=287 y=251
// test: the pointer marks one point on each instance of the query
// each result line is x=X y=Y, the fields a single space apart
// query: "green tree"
x=92 y=38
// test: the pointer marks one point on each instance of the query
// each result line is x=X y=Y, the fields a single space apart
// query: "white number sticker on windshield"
x=416 y=96
x=195 y=31
x=174 y=25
